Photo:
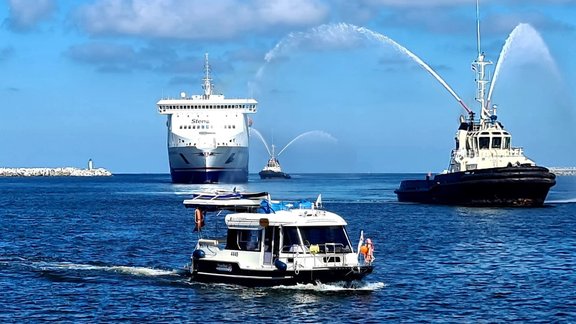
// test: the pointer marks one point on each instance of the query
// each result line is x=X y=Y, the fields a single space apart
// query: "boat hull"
x=220 y=165
x=273 y=175
x=230 y=273
x=521 y=186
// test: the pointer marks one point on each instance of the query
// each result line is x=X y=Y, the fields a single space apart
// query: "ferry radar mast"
x=207 y=80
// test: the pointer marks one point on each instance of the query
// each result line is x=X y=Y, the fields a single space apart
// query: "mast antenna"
x=479 y=66
x=207 y=80
x=478 y=27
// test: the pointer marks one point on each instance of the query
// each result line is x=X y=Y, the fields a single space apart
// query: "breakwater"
x=54 y=172
x=563 y=171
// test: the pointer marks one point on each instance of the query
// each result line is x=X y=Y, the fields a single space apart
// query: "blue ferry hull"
x=208 y=176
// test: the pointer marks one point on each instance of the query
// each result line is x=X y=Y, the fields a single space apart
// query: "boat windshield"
x=328 y=238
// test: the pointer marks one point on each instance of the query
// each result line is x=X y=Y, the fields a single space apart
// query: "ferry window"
x=484 y=142
x=325 y=234
x=496 y=142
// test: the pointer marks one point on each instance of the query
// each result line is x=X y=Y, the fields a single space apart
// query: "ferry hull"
x=220 y=165
x=208 y=271
x=525 y=186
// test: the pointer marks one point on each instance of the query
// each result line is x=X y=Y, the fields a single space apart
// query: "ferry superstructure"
x=208 y=135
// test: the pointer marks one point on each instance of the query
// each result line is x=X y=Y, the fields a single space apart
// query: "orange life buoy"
x=198 y=219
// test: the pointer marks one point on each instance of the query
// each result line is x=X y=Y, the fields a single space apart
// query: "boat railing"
x=328 y=253
x=208 y=245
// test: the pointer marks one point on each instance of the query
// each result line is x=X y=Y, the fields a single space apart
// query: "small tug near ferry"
x=270 y=243
x=272 y=170
x=484 y=169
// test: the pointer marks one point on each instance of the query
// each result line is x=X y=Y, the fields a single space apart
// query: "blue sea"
x=114 y=249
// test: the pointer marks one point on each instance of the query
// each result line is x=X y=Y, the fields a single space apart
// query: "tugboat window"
x=484 y=142
x=506 y=142
x=497 y=142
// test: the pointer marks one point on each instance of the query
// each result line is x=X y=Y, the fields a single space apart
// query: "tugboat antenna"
x=478 y=27
x=479 y=66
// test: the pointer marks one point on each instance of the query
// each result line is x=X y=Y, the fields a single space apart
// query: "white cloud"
x=26 y=14
x=197 y=19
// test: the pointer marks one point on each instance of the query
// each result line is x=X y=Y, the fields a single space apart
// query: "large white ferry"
x=208 y=135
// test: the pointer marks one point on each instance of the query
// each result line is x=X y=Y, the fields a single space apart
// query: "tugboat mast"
x=482 y=80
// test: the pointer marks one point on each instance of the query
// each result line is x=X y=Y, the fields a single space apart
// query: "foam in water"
x=137 y=271
x=336 y=287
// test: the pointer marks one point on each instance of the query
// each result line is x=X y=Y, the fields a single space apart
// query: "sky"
x=80 y=79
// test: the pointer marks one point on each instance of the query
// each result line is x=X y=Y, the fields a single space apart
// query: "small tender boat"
x=271 y=243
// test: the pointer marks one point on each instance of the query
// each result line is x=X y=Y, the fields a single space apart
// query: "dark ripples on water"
x=113 y=249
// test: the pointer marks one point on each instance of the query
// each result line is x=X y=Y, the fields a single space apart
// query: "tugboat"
x=484 y=169
x=270 y=243
x=272 y=169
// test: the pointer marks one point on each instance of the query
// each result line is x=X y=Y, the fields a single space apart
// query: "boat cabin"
x=484 y=144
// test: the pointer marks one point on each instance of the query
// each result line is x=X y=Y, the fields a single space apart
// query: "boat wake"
x=336 y=287
x=130 y=270
x=561 y=201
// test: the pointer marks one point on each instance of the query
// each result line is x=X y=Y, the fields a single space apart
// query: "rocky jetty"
x=54 y=172
x=563 y=171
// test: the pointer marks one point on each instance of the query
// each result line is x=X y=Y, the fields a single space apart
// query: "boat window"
x=484 y=142
x=496 y=142
x=506 y=142
x=324 y=235
x=290 y=238
x=244 y=240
